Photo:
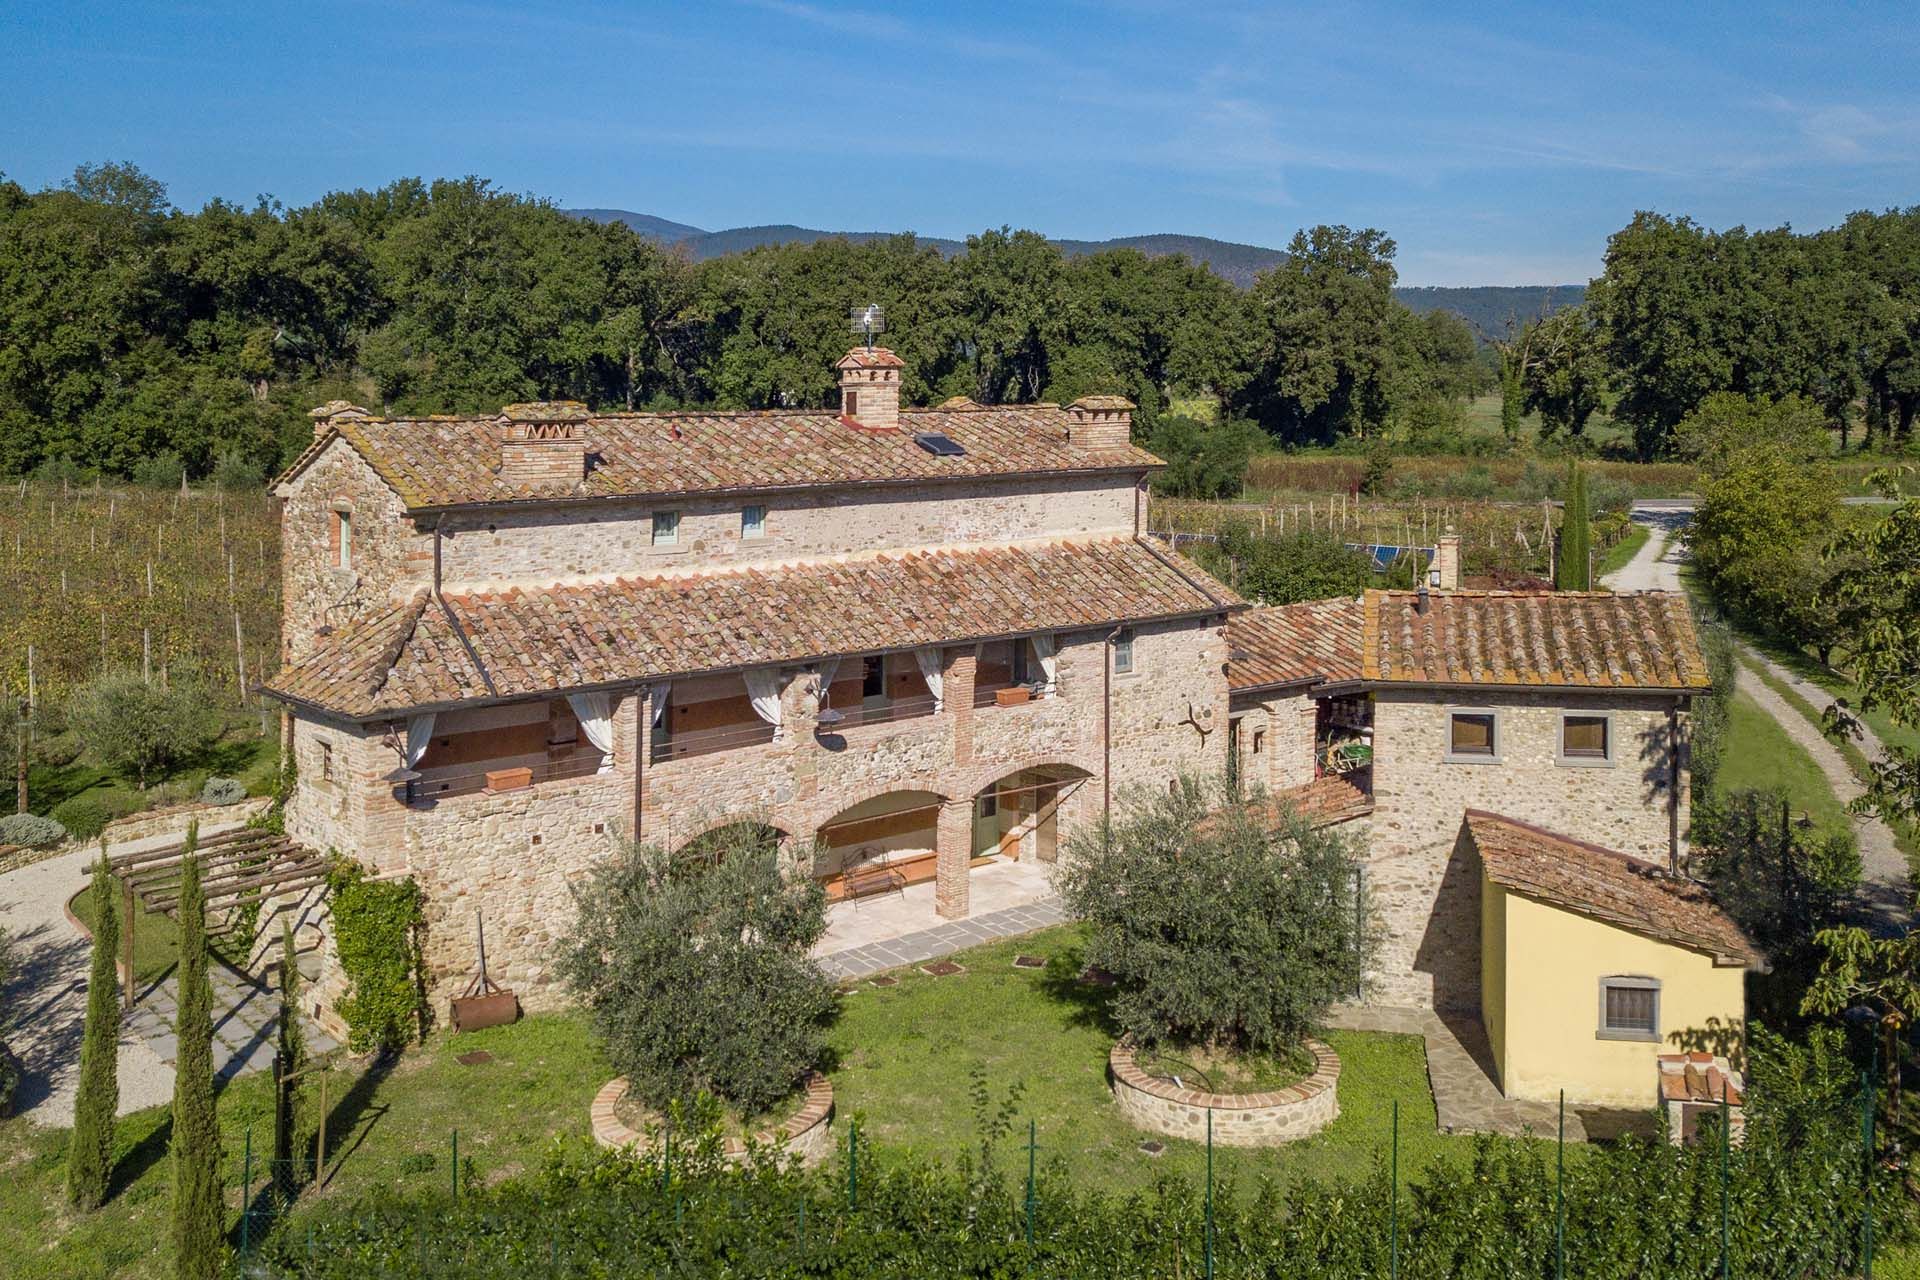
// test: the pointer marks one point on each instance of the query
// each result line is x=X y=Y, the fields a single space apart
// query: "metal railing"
x=884 y=713
x=436 y=786
x=706 y=742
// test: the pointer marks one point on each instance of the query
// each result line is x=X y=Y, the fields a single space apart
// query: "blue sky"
x=1498 y=144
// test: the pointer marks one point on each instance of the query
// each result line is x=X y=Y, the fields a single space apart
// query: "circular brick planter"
x=1239 y=1119
x=803 y=1134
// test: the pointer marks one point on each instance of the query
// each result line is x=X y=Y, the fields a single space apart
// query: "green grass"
x=907 y=1055
x=1762 y=756
x=1621 y=553
x=156 y=938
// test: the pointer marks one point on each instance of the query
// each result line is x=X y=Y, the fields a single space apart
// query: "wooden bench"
x=864 y=882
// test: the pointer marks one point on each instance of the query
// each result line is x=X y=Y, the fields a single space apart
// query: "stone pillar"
x=957 y=693
x=954 y=851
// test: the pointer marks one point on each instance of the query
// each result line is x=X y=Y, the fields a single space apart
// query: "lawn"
x=1761 y=756
x=240 y=752
x=156 y=938
x=1622 y=552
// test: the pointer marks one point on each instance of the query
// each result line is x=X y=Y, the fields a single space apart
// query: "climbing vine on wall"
x=376 y=930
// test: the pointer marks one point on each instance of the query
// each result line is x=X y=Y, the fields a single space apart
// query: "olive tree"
x=141 y=728
x=1225 y=922
x=696 y=972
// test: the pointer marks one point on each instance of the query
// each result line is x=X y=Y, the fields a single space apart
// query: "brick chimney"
x=324 y=416
x=1100 y=423
x=1446 y=561
x=545 y=445
x=870 y=387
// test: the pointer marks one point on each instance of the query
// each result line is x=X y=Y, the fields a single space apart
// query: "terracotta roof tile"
x=543 y=640
x=452 y=461
x=1294 y=644
x=1639 y=640
x=1634 y=895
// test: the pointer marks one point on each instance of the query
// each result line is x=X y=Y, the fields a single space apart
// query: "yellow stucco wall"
x=1541 y=968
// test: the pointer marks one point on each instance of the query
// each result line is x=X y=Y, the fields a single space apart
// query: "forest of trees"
x=136 y=338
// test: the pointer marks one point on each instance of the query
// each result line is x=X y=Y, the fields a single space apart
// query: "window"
x=343 y=539
x=1586 y=738
x=1123 y=653
x=1473 y=735
x=850 y=403
x=326 y=762
x=666 y=528
x=1629 y=1009
x=753 y=522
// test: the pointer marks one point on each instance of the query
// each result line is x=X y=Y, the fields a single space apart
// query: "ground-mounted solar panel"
x=939 y=445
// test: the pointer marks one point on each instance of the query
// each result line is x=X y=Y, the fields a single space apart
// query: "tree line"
x=135 y=335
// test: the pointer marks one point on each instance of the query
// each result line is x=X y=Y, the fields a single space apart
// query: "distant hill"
x=1486 y=309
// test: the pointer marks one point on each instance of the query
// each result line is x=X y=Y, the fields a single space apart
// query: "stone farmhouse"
x=912 y=647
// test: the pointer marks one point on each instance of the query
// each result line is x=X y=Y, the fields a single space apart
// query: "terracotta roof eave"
x=613 y=686
x=1269 y=686
x=877 y=482
x=1608 y=690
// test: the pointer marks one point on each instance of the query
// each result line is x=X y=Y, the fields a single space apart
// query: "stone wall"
x=1237 y=1119
x=1276 y=738
x=597 y=539
x=388 y=554
x=1422 y=877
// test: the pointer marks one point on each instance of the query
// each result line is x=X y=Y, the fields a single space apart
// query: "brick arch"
x=983 y=775
x=708 y=828
x=811 y=820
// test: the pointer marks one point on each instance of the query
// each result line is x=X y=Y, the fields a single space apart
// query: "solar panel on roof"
x=940 y=446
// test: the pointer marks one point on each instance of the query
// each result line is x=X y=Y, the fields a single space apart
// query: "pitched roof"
x=545 y=640
x=1294 y=644
x=454 y=461
x=1612 y=887
x=1639 y=640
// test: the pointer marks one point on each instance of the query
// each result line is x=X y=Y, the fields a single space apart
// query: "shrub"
x=31 y=830
x=1204 y=459
x=1286 y=568
x=1223 y=923
x=234 y=470
x=162 y=470
x=696 y=971
x=84 y=816
x=376 y=931
x=223 y=791
x=140 y=728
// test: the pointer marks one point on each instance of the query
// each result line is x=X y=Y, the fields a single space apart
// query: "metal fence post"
x=1560 y=1196
x=1393 y=1212
x=1209 y=1236
x=1031 y=1148
x=246 y=1194
x=1726 y=1262
x=853 y=1164
x=456 y=1166
x=1866 y=1172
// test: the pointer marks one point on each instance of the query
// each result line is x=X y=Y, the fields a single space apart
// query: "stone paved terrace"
x=244 y=1022
x=885 y=932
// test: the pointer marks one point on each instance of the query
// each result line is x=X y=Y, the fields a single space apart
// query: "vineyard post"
x=240 y=656
x=146 y=653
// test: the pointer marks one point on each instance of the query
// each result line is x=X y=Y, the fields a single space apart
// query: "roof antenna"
x=868 y=320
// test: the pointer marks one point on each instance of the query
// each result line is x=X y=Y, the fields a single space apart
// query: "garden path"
x=872 y=935
x=49 y=989
x=1885 y=895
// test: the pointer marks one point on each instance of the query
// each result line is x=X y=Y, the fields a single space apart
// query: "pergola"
x=236 y=868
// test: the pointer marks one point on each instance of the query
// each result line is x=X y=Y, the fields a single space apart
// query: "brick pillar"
x=954 y=842
x=957 y=694
x=1446 y=561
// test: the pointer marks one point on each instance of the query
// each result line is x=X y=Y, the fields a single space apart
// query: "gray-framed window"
x=1586 y=738
x=753 y=521
x=1123 y=653
x=666 y=528
x=1629 y=1009
x=1473 y=735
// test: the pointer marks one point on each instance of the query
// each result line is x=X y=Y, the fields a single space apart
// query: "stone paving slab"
x=943 y=940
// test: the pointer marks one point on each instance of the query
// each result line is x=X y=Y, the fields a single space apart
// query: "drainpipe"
x=1106 y=736
x=1673 y=787
x=642 y=722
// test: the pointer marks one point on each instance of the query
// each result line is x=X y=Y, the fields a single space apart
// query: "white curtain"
x=1046 y=648
x=594 y=711
x=929 y=660
x=824 y=671
x=419 y=737
x=658 y=693
x=763 y=690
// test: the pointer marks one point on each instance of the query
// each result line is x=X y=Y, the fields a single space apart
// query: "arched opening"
x=1024 y=815
x=734 y=839
x=887 y=842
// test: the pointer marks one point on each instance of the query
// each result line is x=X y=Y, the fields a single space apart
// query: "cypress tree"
x=289 y=1058
x=90 y=1156
x=1576 y=535
x=199 y=1211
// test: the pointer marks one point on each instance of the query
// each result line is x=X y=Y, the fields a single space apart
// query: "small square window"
x=1123 y=653
x=666 y=528
x=1473 y=735
x=753 y=522
x=1586 y=737
x=1629 y=1009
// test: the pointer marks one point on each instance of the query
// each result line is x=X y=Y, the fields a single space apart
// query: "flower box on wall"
x=1011 y=697
x=509 y=779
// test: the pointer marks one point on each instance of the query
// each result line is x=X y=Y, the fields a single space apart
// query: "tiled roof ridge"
x=714 y=411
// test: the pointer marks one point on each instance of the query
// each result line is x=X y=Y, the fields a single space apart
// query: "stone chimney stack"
x=1446 y=562
x=1101 y=423
x=870 y=387
x=545 y=445
x=324 y=416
